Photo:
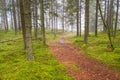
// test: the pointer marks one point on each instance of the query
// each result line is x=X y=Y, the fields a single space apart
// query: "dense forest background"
x=27 y=27
x=65 y=15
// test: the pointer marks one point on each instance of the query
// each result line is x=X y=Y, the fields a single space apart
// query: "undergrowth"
x=14 y=66
x=10 y=35
x=98 y=48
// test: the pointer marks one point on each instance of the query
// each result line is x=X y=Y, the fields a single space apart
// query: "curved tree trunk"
x=106 y=27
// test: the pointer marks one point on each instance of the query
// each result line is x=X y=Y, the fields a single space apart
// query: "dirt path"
x=78 y=65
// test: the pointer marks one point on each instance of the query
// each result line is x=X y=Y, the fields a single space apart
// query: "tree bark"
x=27 y=26
x=42 y=22
x=116 y=20
x=18 y=15
x=106 y=27
x=96 y=19
x=78 y=27
x=14 y=16
x=105 y=15
x=36 y=22
x=80 y=16
x=111 y=16
x=86 y=21
x=23 y=22
x=63 y=27
x=4 y=15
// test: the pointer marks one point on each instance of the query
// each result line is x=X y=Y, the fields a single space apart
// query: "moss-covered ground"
x=14 y=66
x=98 y=48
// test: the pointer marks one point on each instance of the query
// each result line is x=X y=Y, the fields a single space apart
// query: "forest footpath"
x=78 y=65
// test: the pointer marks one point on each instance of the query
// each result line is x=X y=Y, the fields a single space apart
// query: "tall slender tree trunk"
x=96 y=19
x=111 y=16
x=6 y=18
x=105 y=15
x=36 y=22
x=80 y=16
x=63 y=27
x=6 y=21
x=116 y=20
x=52 y=23
x=4 y=15
x=78 y=31
x=49 y=19
x=18 y=15
x=23 y=22
x=56 y=19
x=54 y=28
x=11 y=17
x=42 y=22
x=56 y=11
x=14 y=16
x=108 y=11
x=86 y=21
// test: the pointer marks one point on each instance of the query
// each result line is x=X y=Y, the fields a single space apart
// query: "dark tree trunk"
x=18 y=15
x=80 y=16
x=63 y=27
x=111 y=16
x=78 y=27
x=26 y=22
x=96 y=19
x=4 y=15
x=14 y=16
x=42 y=21
x=106 y=27
x=36 y=22
x=86 y=21
x=116 y=20
x=23 y=22
x=105 y=15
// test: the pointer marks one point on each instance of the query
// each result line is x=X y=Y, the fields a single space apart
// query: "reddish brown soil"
x=78 y=65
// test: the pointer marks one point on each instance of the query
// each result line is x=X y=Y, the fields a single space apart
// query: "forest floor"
x=80 y=66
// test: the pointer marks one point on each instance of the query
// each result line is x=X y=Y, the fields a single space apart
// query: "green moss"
x=14 y=66
x=97 y=48
x=117 y=50
x=10 y=35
